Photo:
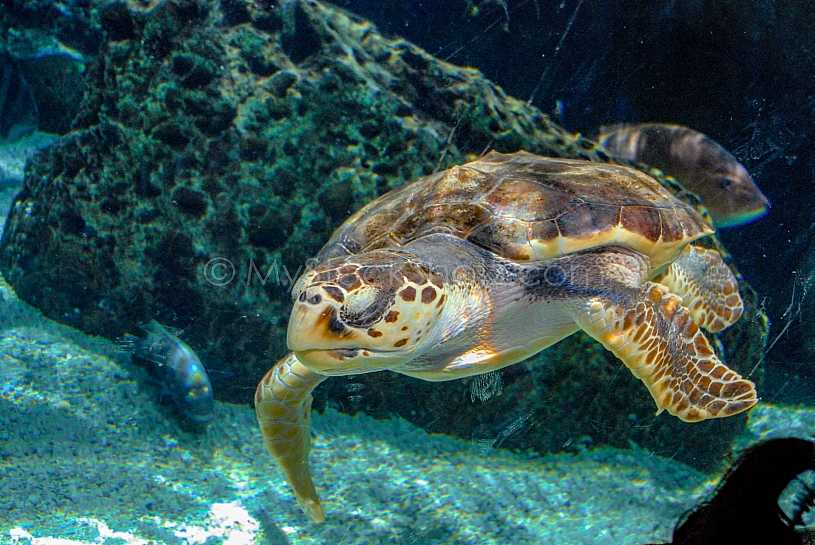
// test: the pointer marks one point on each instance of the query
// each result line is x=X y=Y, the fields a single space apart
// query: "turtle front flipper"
x=647 y=327
x=283 y=407
x=707 y=288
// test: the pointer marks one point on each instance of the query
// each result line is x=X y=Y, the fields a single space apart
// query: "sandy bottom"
x=88 y=456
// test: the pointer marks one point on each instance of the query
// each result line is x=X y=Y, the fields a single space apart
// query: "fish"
x=19 y=116
x=743 y=509
x=699 y=164
x=179 y=369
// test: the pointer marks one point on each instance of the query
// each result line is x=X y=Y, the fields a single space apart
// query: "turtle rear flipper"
x=283 y=407
x=647 y=327
x=707 y=287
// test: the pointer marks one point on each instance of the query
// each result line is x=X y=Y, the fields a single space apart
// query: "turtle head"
x=364 y=313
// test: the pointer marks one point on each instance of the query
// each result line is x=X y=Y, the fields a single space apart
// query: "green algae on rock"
x=218 y=146
x=206 y=136
x=50 y=44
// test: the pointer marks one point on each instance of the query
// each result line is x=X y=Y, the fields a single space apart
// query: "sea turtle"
x=483 y=265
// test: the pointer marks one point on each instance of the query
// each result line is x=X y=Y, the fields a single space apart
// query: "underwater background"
x=166 y=139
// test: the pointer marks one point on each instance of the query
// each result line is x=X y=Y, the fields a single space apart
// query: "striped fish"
x=699 y=165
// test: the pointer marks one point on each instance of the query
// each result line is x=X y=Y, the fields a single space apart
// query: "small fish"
x=179 y=369
x=700 y=166
x=18 y=111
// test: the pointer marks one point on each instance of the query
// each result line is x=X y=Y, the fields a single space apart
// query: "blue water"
x=91 y=450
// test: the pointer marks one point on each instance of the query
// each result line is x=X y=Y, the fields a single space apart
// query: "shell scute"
x=671 y=226
x=505 y=236
x=522 y=199
x=582 y=221
x=643 y=220
x=459 y=184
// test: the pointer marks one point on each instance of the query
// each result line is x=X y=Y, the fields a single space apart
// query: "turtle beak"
x=344 y=361
x=314 y=324
x=314 y=336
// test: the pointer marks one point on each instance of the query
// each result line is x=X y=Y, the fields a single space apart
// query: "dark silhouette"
x=744 y=508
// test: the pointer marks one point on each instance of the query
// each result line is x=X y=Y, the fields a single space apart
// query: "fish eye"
x=725 y=182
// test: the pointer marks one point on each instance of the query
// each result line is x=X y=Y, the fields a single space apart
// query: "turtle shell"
x=526 y=207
